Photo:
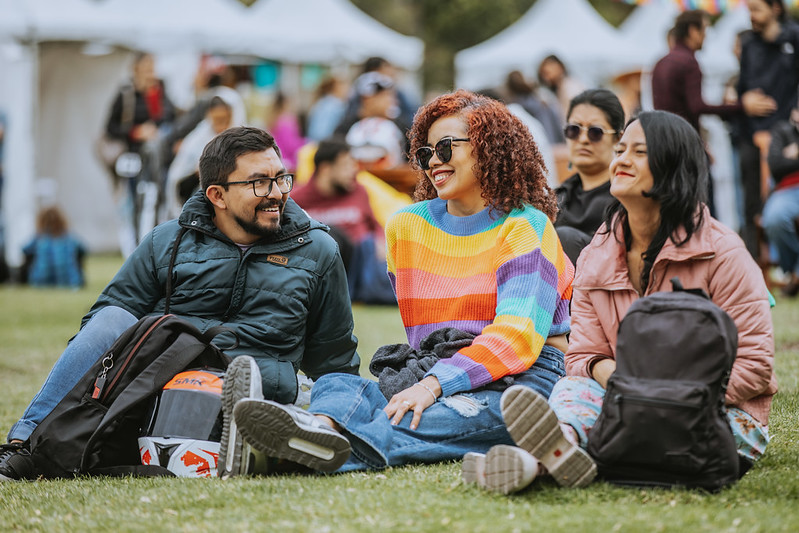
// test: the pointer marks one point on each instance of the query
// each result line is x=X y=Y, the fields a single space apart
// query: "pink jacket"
x=714 y=259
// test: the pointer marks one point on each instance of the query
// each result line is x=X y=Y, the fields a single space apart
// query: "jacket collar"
x=608 y=255
x=198 y=214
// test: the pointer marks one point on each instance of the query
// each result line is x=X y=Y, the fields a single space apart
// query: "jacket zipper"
x=130 y=357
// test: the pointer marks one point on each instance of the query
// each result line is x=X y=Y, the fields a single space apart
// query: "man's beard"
x=254 y=228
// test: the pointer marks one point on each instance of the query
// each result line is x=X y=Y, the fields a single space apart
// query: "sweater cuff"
x=451 y=378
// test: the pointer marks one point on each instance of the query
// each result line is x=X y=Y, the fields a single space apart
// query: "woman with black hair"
x=659 y=227
x=594 y=124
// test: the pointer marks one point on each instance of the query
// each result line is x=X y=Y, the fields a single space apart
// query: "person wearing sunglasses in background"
x=594 y=123
x=483 y=288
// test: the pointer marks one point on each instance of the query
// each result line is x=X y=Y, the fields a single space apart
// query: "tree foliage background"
x=447 y=26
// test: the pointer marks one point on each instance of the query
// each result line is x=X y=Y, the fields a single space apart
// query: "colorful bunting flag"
x=711 y=6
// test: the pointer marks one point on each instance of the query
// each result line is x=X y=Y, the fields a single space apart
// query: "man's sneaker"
x=242 y=380
x=535 y=428
x=288 y=432
x=16 y=462
x=503 y=469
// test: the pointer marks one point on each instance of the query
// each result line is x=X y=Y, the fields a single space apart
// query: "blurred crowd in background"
x=342 y=128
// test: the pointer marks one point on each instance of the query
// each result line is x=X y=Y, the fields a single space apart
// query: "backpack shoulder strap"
x=172 y=258
x=676 y=286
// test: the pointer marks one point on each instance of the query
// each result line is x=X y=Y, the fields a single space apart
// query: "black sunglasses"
x=595 y=133
x=443 y=150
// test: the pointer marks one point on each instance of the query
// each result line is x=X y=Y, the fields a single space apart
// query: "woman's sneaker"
x=242 y=380
x=288 y=432
x=503 y=469
x=16 y=462
x=535 y=428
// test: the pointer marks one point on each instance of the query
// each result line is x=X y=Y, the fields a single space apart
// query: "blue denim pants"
x=465 y=422
x=779 y=216
x=81 y=353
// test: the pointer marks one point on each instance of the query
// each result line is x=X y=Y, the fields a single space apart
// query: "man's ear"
x=215 y=195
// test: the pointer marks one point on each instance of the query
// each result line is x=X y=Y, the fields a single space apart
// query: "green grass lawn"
x=34 y=328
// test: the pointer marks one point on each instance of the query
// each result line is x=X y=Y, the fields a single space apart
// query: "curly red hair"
x=508 y=165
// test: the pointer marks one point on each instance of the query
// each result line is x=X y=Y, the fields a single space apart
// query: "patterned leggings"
x=577 y=402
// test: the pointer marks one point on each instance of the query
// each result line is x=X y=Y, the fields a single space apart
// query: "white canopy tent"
x=323 y=31
x=646 y=28
x=61 y=62
x=571 y=29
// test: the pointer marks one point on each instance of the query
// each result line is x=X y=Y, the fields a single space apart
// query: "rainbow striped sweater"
x=502 y=277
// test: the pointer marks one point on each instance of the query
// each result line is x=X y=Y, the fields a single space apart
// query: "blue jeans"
x=466 y=422
x=779 y=220
x=81 y=353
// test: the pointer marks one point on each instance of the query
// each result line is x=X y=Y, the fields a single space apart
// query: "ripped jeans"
x=451 y=427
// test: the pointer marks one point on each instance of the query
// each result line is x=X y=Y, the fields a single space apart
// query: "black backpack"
x=663 y=421
x=94 y=428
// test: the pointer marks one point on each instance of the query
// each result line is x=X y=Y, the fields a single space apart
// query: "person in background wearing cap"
x=376 y=139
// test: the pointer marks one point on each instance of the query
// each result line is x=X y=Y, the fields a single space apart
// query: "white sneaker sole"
x=242 y=380
x=504 y=469
x=278 y=431
x=535 y=428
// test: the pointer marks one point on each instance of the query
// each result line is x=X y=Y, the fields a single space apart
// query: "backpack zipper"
x=661 y=403
x=124 y=364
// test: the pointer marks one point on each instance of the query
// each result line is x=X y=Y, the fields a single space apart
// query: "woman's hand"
x=416 y=398
x=602 y=370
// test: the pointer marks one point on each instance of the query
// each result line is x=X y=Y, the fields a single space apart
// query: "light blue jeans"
x=81 y=353
x=466 y=422
x=779 y=216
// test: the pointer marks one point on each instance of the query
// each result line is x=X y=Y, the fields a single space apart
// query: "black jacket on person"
x=772 y=67
x=783 y=134
x=580 y=209
x=119 y=128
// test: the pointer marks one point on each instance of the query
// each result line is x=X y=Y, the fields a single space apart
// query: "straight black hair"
x=678 y=163
x=220 y=155
x=604 y=100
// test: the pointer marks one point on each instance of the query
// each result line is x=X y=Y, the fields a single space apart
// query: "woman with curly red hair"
x=483 y=287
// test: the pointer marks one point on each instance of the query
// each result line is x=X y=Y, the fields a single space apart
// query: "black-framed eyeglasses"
x=443 y=150
x=263 y=186
x=594 y=133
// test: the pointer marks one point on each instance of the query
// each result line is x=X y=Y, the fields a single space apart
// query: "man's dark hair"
x=605 y=101
x=374 y=63
x=781 y=4
x=329 y=150
x=220 y=155
x=686 y=20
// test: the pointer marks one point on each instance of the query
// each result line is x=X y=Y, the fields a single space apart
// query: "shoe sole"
x=270 y=428
x=473 y=469
x=534 y=427
x=242 y=380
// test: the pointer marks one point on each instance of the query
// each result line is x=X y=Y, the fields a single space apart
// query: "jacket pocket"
x=651 y=423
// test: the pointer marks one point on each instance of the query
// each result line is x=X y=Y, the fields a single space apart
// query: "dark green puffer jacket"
x=286 y=299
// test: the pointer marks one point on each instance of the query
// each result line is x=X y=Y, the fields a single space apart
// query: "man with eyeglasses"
x=246 y=258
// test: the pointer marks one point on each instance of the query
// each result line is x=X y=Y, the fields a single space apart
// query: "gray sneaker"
x=503 y=469
x=535 y=428
x=242 y=380
x=291 y=433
